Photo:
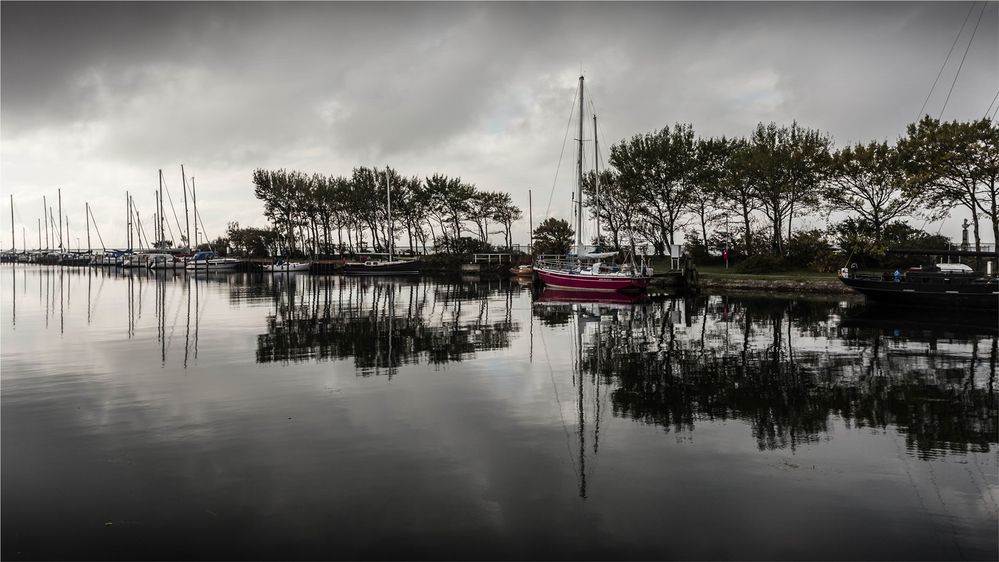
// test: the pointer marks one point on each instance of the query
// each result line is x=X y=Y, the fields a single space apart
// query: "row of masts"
x=55 y=226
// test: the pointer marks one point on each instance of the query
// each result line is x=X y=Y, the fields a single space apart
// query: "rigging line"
x=91 y=209
x=968 y=48
x=180 y=231
x=946 y=60
x=995 y=112
x=986 y=116
x=559 y=166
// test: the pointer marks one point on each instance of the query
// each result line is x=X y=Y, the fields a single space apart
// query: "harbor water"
x=247 y=416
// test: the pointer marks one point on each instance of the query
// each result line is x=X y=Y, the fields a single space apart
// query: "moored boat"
x=286 y=267
x=210 y=261
x=943 y=285
x=522 y=270
x=382 y=267
x=585 y=270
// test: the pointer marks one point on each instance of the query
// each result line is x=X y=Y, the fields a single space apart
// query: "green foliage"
x=553 y=236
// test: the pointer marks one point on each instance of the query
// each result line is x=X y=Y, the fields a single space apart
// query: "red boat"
x=584 y=271
x=592 y=278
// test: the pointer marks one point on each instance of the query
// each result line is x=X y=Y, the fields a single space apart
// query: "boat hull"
x=964 y=295
x=389 y=268
x=598 y=283
x=222 y=266
x=287 y=267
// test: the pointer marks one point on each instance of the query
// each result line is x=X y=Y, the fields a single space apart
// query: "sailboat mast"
x=128 y=220
x=45 y=210
x=596 y=176
x=388 y=191
x=87 y=203
x=530 y=224
x=162 y=230
x=187 y=218
x=194 y=199
x=579 y=177
x=13 y=241
x=60 y=218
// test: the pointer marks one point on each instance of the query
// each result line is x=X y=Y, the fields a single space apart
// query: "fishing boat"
x=943 y=285
x=281 y=266
x=384 y=267
x=210 y=261
x=584 y=269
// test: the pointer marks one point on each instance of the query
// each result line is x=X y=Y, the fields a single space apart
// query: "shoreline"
x=802 y=285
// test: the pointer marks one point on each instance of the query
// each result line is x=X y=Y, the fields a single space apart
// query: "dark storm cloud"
x=474 y=89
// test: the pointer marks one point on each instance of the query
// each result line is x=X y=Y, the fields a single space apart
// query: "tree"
x=736 y=190
x=506 y=214
x=656 y=167
x=707 y=176
x=785 y=167
x=553 y=236
x=955 y=164
x=869 y=180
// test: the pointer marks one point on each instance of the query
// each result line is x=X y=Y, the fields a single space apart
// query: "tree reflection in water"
x=384 y=323
x=788 y=367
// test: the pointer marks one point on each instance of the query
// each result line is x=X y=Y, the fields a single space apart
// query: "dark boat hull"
x=405 y=268
x=905 y=293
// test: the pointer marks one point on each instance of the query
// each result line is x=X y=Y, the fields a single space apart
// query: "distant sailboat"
x=384 y=267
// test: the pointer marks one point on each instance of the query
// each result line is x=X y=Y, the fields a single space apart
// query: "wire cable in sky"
x=968 y=48
x=946 y=60
x=989 y=110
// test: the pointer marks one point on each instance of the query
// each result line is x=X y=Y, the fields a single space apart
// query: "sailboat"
x=384 y=267
x=585 y=270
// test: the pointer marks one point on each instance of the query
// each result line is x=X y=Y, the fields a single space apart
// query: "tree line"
x=320 y=214
x=749 y=195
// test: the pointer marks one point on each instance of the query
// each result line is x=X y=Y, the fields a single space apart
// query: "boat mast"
x=13 y=241
x=87 y=203
x=187 y=218
x=45 y=210
x=194 y=198
x=39 y=234
x=128 y=220
x=579 y=177
x=162 y=230
x=60 y=218
x=388 y=191
x=596 y=176
x=530 y=225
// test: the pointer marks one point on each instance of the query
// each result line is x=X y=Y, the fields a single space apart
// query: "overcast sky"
x=97 y=97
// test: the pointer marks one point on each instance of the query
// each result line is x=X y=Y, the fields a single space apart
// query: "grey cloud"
x=474 y=89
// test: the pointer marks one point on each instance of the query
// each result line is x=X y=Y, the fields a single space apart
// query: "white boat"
x=165 y=261
x=287 y=267
x=209 y=261
x=138 y=259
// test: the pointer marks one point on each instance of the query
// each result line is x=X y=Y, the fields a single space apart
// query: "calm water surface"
x=239 y=416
